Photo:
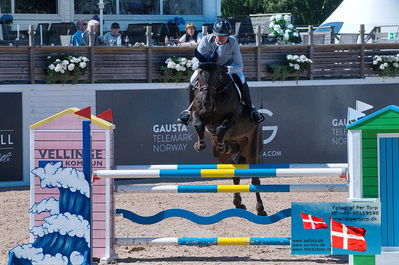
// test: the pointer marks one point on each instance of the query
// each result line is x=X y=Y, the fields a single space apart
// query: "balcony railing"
x=142 y=63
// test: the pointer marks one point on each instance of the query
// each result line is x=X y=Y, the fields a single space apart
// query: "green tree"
x=304 y=12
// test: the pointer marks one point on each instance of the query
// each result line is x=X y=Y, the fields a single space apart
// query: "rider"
x=230 y=56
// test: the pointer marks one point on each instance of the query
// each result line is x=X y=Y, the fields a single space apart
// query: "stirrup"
x=184 y=117
x=256 y=116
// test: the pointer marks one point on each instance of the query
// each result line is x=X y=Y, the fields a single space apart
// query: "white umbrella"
x=371 y=13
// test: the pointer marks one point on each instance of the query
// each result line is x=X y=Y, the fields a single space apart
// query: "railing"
x=142 y=63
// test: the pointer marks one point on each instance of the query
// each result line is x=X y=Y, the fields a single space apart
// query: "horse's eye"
x=220 y=77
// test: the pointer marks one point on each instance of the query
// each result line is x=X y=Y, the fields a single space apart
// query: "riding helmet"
x=222 y=27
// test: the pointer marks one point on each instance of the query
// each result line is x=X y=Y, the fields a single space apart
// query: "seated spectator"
x=77 y=38
x=113 y=37
x=93 y=25
x=192 y=36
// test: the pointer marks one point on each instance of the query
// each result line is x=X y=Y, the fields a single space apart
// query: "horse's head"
x=212 y=79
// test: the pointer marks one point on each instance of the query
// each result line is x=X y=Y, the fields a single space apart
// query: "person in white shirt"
x=192 y=36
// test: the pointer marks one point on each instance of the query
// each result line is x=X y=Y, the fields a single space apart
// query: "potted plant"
x=65 y=67
x=176 y=69
x=281 y=27
x=386 y=65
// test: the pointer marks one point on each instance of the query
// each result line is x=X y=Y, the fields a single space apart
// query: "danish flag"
x=347 y=237
x=313 y=222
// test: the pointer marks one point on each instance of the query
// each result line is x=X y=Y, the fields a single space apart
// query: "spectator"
x=77 y=38
x=192 y=36
x=114 y=37
x=93 y=25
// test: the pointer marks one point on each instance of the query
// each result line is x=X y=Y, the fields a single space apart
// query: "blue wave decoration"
x=204 y=220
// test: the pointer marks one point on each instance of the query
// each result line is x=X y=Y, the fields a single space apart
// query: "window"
x=91 y=7
x=182 y=7
x=5 y=6
x=139 y=6
x=36 y=6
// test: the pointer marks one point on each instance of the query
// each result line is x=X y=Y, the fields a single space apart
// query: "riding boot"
x=185 y=115
x=246 y=97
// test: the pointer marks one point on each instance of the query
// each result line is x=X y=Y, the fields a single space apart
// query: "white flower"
x=65 y=62
x=58 y=68
x=286 y=36
x=85 y=59
x=171 y=65
x=82 y=65
x=71 y=67
x=289 y=57
x=48 y=57
x=58 y=61
x=296 y=67
x=375 y=62
x=183 y=60
x=277 y=28
x=62 y=71
x=189 y=64
x=303 y=57
x=272 y=18
x=288 y=31
x=396 y=65
x=271 y=24
x=51 y=67
x=168 y=60
x=287 y=17
x=296 y=34
x=279 y=17
x=385 y=64
x=382 y=67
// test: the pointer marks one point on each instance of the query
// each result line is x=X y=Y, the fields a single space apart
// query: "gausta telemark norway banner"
x=304 y=124
x=10 y=136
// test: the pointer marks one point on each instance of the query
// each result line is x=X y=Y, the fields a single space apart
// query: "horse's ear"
x=207 y=66
x=199 y=56
x=214 y=56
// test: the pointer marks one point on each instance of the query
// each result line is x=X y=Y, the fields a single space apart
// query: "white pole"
x=17 y=38
x=41 y=35
x=101 y=7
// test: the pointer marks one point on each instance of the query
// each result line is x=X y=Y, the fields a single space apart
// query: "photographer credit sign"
x=10 y=137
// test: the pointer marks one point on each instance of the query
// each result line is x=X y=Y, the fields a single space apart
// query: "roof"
x=97 y=121
x=371 y=13
x=362 y=121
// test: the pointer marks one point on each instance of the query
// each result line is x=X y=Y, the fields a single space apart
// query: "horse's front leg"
x=237 y=197
x=199 y=126
x=220 y=133
x=259 y=204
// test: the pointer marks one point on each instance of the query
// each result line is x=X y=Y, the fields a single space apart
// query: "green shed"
x=373 y=158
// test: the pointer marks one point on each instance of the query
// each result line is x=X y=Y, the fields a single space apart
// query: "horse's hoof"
x=262 y=213
x=242 y=206
x=223 y=148
x=199 y=147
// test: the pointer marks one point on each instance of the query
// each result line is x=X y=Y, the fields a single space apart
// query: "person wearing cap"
x=229 y=55
x=192 y=36
x=77 y=38
x=111 y=38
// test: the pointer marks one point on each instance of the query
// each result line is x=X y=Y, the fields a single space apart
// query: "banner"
x=10 y=136
x=304 y=124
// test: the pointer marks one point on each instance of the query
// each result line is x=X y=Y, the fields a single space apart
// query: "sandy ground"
x=14 y=226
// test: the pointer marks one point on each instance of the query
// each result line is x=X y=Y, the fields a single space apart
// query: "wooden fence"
x=142 y=63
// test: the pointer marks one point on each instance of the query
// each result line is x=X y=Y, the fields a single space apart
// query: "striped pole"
x=230 y=166
x=220 y=173
x=199 y=241
x=232 y=188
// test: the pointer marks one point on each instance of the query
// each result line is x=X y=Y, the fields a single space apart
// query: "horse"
x=217 y=112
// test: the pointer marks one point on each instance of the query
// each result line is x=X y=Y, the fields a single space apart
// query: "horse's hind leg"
x=259 y=204
x=237 y=197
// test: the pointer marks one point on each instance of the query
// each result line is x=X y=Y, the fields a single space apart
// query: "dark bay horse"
x=218 y=113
